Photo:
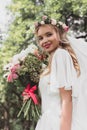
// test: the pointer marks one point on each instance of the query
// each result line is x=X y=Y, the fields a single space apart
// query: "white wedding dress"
x=63 y=74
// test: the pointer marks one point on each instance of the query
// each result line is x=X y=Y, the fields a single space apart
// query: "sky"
x=4 y=15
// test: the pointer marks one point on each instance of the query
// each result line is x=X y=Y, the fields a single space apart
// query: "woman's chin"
x=50 y=50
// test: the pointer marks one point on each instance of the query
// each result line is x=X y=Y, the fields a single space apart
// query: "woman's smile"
x=47 y=45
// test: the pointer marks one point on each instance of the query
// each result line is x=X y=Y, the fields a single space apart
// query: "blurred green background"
x=20 y=34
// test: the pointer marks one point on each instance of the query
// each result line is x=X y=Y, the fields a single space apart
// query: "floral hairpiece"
x=47 y=20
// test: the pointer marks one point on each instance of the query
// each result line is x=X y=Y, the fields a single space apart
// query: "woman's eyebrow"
x=39 y=36
x=44 y=34
x=48 y=32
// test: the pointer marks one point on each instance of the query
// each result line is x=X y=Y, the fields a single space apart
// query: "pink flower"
x=65 y=27
x=15 y=76
x=15 y=68
x=44 y=17
x=10 y=78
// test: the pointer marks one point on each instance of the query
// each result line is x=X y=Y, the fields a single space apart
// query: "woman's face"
x=48 y=38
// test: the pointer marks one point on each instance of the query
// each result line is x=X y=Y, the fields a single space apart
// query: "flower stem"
x=22 y=109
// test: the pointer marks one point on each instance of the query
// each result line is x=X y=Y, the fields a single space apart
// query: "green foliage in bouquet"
x=31 y=67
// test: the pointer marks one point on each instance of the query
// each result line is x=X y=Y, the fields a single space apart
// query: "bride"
x=63 y=83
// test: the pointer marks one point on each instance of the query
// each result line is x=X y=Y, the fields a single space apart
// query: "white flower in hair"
x=53 y=22
x=42 y=22
x=60 y=23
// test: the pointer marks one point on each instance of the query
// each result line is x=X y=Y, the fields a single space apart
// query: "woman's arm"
x=66 y=113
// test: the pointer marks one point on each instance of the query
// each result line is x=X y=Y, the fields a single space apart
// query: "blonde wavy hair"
x=65 y=44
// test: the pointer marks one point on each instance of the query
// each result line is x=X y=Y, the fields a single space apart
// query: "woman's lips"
x=47 y=45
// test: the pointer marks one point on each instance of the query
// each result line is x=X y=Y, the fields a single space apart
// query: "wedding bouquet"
x=23 y=71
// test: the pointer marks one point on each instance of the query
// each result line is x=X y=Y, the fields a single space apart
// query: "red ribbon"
x=29 y=93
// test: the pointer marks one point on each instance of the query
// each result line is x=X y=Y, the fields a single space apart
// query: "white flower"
x=31 y=48
x=44 y=66
x=8 y=66
x=6 y=75
x=22 y=55
x=42 y=22
x=53 y=22
x=15 y=59
x=60 y=23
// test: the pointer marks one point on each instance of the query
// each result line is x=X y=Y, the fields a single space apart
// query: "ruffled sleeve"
x=63 y=73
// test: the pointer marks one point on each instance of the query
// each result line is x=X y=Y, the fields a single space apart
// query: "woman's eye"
x=40 y=38
x=49 y=34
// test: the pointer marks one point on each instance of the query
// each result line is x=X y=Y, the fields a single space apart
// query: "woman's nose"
x=45 y=39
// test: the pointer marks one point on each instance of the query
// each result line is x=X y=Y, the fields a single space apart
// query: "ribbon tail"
x=34 y=98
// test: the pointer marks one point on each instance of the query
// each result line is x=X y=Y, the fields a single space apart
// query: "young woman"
x=58 y=81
